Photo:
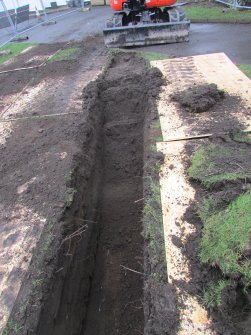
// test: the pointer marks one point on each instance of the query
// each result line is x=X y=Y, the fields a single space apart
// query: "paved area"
x=232 y=39
x=74 y=25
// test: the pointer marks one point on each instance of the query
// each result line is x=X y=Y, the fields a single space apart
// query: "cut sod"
x=215 y=164
x=226 y=239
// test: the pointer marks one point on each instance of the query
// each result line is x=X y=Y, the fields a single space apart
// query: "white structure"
x=10 y=4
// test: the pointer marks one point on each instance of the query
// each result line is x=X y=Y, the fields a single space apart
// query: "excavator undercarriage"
x=146 y=26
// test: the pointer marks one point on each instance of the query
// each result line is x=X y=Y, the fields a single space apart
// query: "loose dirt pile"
x=199 y=99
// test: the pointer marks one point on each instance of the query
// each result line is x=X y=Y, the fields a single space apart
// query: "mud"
x=199 y=99
x=92 y=270
x=14 y=82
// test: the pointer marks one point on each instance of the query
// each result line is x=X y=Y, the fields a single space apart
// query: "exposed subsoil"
x=115 y=304
x=38 y=160
x=84 y=175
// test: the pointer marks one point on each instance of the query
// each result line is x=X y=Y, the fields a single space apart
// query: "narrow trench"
x=97 y=293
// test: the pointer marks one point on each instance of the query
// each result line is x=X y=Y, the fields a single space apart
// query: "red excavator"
x=145 y=22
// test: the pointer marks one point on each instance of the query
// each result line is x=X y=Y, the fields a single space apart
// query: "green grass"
x=151 y=56
x=156 y=124
x=212 y=296
x=226 y=238
x=207 y=208
x=216 y=13
x=65 y=54
x=15 y=49
x=153 y=222
x=241 y=137
x=214 y=164
x=246 y=69
x=12 y=328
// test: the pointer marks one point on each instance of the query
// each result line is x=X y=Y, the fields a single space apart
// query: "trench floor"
x=116 y=298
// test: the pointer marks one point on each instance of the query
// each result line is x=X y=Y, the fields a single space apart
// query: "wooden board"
x=176 y=191
x=183 y=73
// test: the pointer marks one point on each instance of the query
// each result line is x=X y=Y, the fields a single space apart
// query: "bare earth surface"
x=36 y=154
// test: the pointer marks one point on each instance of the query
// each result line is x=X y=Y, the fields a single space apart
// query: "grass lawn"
x=216 y=13
x=207 y=165
x=15 y=49
x=226 y=238
x=245 y=69
x=150 y=56
x=64 y=54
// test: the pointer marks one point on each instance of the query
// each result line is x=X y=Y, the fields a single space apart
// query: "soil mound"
x=200 y=98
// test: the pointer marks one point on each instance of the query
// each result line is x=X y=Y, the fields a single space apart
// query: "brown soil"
x=84 y=174
x=115 y=305
x=199 y=99
x=38 y=161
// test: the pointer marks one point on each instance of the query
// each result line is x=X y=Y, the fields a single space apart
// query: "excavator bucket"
x=160 y=33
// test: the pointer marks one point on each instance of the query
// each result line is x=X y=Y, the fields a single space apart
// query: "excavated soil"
x=90 y=270
x=199 y=99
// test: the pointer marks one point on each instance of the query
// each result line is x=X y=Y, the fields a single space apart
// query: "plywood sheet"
x=184 y=73
x=176 y=191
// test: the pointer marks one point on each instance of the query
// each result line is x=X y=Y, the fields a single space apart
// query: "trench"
x=100 y=289
x=115 y=301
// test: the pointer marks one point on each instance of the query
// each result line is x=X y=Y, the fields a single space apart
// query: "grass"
x=47 y=242
x=151 y=56
x=156 y=124
x=241 y=137
x=216 y=13
x=212 y=297
x=12 y=328
x=215 y=164
x=207 y=208
x=246 y=69
x=226 y=239
x=37 y=280
x=69 y=197
x=65 y=54
x=15 y=48
x=152 y=217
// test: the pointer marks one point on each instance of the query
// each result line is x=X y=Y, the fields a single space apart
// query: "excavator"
x=145 y=22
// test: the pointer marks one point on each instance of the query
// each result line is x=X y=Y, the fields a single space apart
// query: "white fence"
x=245 y=4
x=18 y=20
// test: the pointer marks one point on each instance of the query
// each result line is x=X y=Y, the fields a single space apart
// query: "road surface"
x=233 y=39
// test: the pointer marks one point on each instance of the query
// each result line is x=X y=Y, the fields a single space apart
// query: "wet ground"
x=232 y=39
x=205 y=38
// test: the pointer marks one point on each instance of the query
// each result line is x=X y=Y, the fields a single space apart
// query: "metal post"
x=45 y=14
x=8 y=16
